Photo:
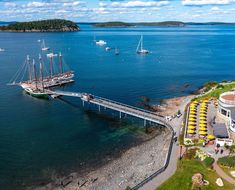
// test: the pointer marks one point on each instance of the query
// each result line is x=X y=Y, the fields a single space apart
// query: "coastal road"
x=170 y=170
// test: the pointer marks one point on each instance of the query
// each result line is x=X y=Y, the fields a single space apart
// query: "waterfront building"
x=226 y=109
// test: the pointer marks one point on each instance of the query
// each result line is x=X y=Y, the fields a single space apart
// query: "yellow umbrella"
x=203 y=122
x=202 y=117
x=202 y=125
x=195 y=102
x=203 y=111
x=206 y=101
x=211 y=137
x=191 y=123
x=202 y=133
x=202 y=114
x=191 y=131
x=192 y=112
x=191 y=127
x=203 y=107
x=202 y=129
x=192 y=116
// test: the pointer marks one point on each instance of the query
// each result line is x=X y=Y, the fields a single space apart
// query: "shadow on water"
x=112 y=117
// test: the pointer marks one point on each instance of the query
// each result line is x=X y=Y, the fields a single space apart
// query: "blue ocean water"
x=39 y=139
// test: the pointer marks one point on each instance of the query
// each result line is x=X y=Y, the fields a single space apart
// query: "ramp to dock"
x=113 y=105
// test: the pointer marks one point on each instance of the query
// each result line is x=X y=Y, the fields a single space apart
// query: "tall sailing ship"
x=38 y=80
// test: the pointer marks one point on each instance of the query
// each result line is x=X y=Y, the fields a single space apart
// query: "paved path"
x=170 y=170
x=222 y=174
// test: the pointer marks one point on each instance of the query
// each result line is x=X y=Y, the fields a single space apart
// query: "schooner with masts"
x=35 y=79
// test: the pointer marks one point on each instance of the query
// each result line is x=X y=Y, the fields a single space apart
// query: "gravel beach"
x=129 y=169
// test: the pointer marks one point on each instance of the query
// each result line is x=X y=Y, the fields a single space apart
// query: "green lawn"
x=216 y=93
x=228 y=170
x=182 y=179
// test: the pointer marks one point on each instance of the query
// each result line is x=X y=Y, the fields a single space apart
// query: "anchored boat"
x=101 y=42
x=38 y=81
x=140 y=48
x=44 y=48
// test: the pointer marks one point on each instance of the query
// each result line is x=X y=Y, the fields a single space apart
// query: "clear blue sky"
x=119 y=10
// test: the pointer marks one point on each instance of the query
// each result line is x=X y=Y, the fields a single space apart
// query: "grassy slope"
x=228 y=170
x=216 y=93
x=182 y=179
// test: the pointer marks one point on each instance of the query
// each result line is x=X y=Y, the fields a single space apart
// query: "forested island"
x=52 y=25
x=158 y=24
x=113 y=24
x=124 y=24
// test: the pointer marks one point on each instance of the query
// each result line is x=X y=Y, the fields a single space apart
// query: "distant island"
x=124 y=24
x=113 y=24
x=52 y=25
x=159 y=24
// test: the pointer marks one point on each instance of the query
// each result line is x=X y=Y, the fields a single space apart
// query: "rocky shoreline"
x=133 y=166
x=49 y=30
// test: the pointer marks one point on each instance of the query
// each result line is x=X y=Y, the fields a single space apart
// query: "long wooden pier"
x=113 y=105
x=130 y=110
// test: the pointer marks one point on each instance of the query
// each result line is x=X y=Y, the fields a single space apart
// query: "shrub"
x=190 y=154
x=232 y=149
x=188 y=142
x=208 y=161
x=209 y=85
x=219 y=86
x=200 y=154
x=228 y=161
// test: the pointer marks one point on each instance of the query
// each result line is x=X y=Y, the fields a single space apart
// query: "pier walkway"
x=113 y=105
x=155 y=179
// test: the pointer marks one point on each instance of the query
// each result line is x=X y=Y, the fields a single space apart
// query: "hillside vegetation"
x=124 y=24
x=53 y=25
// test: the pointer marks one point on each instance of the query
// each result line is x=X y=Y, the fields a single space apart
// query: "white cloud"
x=10 y=4
x=134 y=4
x=215 y=8
x=75 y=3
x=37 y=4
x=206 y=2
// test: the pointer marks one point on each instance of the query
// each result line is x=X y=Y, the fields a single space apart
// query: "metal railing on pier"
x=133 y=111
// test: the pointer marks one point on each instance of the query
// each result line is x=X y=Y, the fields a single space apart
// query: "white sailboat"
x=140 y=49
x=101 y=42
x=44 y=48
x=107 y=48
